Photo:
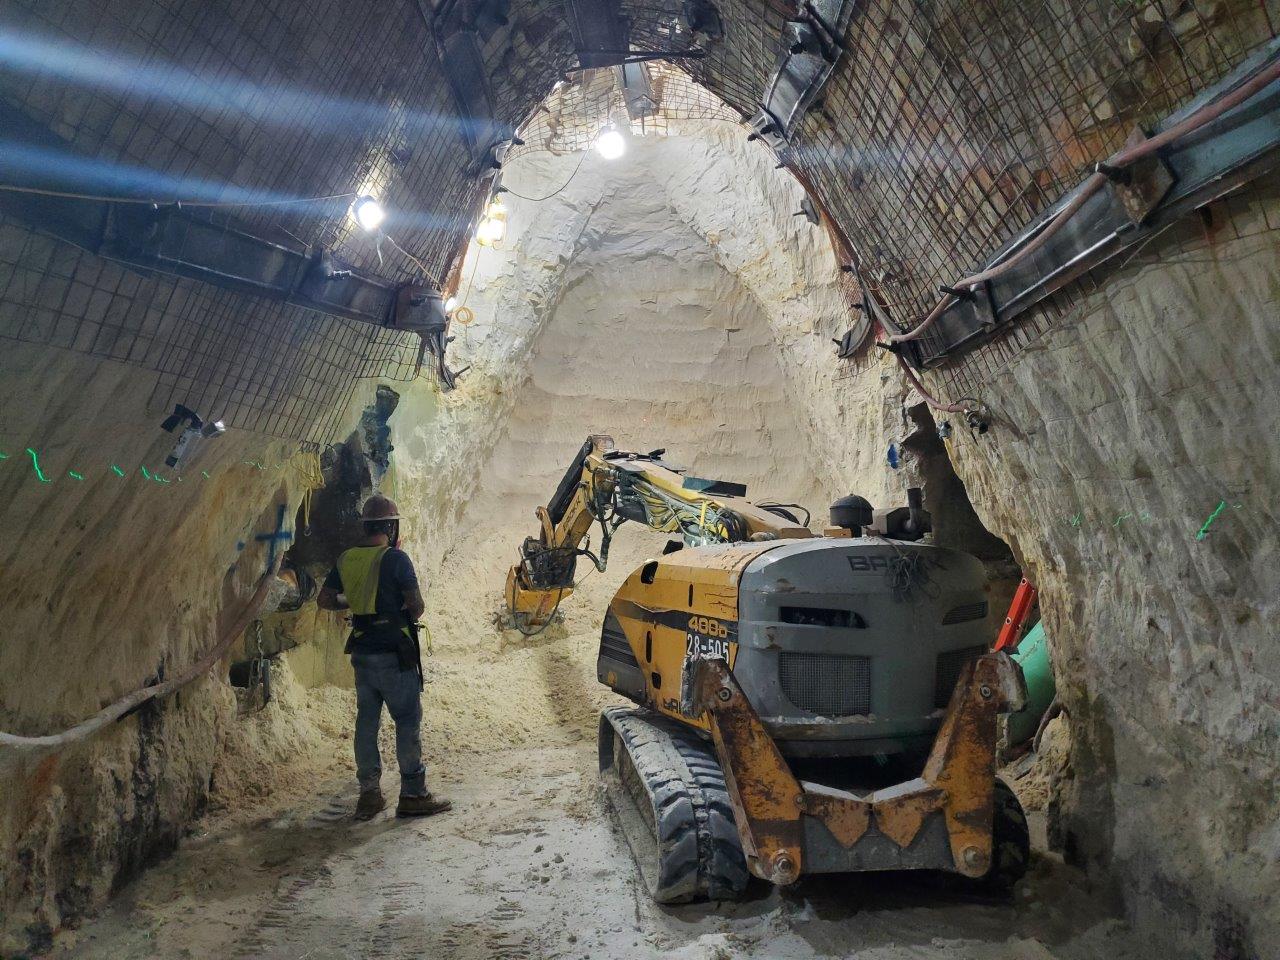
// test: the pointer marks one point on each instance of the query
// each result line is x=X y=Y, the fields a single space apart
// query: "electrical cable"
x=68 y=195
x=1206 y=114
x=930 y=399
x=555 y=193
x=462 y=307
x=425 y=272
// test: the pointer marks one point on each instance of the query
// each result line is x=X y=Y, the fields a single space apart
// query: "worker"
x=376 y=581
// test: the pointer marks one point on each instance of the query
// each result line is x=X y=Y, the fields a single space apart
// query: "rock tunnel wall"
x=1119 y=434
x=110 y=582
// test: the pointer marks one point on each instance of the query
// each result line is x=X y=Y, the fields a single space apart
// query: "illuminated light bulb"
x=611 y=144
x=369 y=213
x=497 y=209
x=450 y=305
x=490 y=231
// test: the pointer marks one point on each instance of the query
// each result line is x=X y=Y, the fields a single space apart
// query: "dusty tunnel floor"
x=528 y=865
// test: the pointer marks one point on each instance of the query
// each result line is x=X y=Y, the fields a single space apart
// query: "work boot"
x=424 y=806
x=370 y=804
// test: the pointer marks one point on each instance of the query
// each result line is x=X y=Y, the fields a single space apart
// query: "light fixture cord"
x=420 y=265
x=562 y=186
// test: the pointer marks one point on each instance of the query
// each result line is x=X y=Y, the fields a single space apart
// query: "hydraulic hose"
x=134 y=700
x=929 y=398
x=1261 y=79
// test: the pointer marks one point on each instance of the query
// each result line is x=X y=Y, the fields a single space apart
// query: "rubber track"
x=700 y=856
x=1010 y=840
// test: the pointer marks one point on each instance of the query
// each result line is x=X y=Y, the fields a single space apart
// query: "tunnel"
x=825 y=442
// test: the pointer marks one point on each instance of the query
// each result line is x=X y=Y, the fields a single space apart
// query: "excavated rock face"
x=1119 y=434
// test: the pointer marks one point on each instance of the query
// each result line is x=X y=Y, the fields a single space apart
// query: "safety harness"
x=360 y=569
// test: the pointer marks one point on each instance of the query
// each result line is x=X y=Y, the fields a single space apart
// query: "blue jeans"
x=380 y=680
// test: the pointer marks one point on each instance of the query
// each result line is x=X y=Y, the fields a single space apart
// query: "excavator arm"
x=608 y=486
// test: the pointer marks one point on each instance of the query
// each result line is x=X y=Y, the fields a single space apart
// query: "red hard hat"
x=379 y=507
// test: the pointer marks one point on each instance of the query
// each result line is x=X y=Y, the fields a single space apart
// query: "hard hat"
x=379 y=507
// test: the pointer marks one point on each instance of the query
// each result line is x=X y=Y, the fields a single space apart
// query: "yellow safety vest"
x=359 y=568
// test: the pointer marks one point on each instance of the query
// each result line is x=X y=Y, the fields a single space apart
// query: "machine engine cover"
x=852 y=646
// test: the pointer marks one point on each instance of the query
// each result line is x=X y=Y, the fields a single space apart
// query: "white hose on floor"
x=122 y=706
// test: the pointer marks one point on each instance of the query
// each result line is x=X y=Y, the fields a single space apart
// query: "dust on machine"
x=803 y=703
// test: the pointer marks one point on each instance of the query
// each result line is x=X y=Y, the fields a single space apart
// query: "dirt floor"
x=529 y=865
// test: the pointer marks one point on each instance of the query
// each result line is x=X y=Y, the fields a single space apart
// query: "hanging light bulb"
x=493 y=225
x=611 y=144
x=450 y=305
x=368 y=212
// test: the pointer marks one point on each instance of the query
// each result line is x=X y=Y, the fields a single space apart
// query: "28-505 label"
x=707 y=638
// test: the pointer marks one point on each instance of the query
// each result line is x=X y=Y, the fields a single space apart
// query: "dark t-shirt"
x=395 y=576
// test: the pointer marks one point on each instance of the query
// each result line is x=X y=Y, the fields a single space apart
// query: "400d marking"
x=707 y=638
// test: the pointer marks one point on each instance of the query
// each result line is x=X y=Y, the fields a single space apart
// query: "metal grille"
x=825 y=684
x=614 y=644
x=965 y=612
x=947 y=672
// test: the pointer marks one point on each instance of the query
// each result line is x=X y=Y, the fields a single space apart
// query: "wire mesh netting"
x=949 y=127
x=946 y=129
x=575 y=111
x=290 y=379
x=204 y=102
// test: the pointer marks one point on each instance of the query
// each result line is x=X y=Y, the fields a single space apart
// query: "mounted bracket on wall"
x=848 y=345
x=173 y=239
x=194 y=431
x=810 y=48
x=637 y=90
x=420 y=309
x=1143 y=184
x=1140 y=200
x=461 y=28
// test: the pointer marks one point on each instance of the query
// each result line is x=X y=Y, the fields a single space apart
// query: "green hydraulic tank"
x=1033 y=656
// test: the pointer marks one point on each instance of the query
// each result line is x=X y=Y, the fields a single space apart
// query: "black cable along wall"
x=946 y=127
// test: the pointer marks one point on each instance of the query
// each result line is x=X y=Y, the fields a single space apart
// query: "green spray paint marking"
x=35 y=462
x=1122 y=517
x=158 y=479
x=3 y=455
x=74 y=476
x=1075 y=521
x=205 y=474
x=1204 y=531
x=255 y=463
x=145 y=473
x=117 y=471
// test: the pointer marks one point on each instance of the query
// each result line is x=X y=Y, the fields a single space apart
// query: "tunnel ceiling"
x=941 y=131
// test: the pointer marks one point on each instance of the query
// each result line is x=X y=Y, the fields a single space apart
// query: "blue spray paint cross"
x=281 y=535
